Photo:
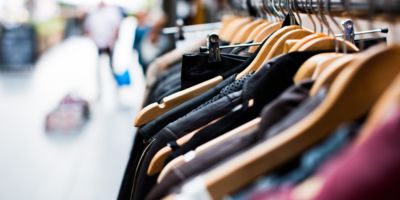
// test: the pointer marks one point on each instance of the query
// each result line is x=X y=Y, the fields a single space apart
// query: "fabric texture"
x=174 y=131
x=271 y=114
x=369 y=170
x=151 y=128
x=197 y=69
x=292 y=96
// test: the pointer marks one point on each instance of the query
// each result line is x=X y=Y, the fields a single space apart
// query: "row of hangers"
x=239 y=29
x=356 y=82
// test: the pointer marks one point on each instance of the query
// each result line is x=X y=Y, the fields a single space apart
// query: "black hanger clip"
x=348 y=26
x=214 y=53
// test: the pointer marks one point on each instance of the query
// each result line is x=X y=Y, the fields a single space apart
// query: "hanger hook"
x=315 y=13
x=296 y=11
x=324 y=19
x=254 y=6
x=280 y=9
x=266 y=11
x=329 y=10
x=290 y=11
x=275 y=10
x=309 y=16
x=259 y=8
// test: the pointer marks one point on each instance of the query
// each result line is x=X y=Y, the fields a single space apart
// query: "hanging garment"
x=289 y=99
x=271 y=114
x=301 y=168
x=373 y=167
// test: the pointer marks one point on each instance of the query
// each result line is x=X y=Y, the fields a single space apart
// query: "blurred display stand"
x=18 y=46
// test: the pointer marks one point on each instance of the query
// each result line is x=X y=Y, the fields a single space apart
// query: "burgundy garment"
x=279 y=193
x=370 y=170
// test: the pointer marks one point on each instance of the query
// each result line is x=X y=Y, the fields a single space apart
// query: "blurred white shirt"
x=102 y=24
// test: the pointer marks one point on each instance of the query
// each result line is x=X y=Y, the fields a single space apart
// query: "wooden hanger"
x=289 y=44
x=327 y=43
x=332 y=71
x=324 y=63
x=351 y=95
x=264 y=33
x=245 y=31
x=277 y=48
x=309 y=188
x=154 y=110
x=158 y=161
x=226 y=21
x=234 y=28
x=305 y=40
x=381 y=110
x=244 y=129
x=307 y=69
x=262 y=54
x=257 y=31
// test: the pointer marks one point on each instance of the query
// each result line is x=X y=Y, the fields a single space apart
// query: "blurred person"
x=152 y=17
x=102 y=26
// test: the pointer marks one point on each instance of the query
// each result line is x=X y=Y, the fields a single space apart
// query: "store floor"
x=88 y=165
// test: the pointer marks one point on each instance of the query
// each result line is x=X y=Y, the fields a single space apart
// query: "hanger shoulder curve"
x=381 y=110
x=226 y=21
x=171 y=165
x=262 y=54
x=331 y=72
x=154 y=110
x=307 y=69
x=327 y=43
x=304 y=40
x=245 y=31
x=234 y=28
x=264 y=33
x=157 y=162
x=257 y=31
x=324 y=63
x=347 y=93
x=244 y=129
x=278 y=47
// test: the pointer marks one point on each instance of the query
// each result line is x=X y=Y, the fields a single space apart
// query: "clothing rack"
x=359 y=8
x=192 y=28
x=221 y=123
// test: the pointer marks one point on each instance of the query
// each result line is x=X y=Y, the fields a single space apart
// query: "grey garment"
x=173 y=131
x=154 y=126
x=307 y=107
x=237 y=85
x=308 y=163
x=283 y=105
x=277 y=110
x=200 y=163
x=302 y=111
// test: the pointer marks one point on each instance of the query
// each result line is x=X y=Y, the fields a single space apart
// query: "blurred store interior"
x=74 y=74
